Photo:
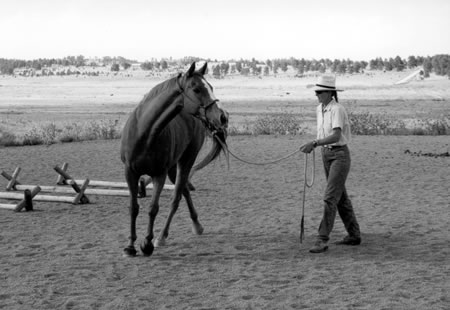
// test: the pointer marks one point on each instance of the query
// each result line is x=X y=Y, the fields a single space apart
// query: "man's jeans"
x=336 y=162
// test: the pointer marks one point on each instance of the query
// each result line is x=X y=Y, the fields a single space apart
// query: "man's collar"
x=328 y=106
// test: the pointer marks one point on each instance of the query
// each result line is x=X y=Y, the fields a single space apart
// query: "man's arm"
x=333 y=138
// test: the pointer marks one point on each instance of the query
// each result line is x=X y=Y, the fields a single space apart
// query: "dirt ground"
x=64 y=256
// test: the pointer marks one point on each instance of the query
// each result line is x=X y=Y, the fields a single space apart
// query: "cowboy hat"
x=326 y=83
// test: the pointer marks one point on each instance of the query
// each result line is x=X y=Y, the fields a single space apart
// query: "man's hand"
x=307 y=147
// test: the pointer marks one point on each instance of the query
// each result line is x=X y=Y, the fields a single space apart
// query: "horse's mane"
x=159 y=88
x=163 y=86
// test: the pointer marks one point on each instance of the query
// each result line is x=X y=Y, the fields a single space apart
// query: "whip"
x=305 y=185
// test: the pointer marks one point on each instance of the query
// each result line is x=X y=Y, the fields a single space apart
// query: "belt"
x=334 y=147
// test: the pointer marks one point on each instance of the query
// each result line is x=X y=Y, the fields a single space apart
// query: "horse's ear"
x=191 y=70
x=204 y=68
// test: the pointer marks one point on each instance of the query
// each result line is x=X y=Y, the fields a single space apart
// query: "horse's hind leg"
x=147 y=246
x=180 y=183
x=197 y=228
x=181 y=188
x=132 y=180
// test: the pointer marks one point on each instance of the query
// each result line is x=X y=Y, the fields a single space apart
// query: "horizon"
x=100 y=58
x=209 y=60
x=220 y=30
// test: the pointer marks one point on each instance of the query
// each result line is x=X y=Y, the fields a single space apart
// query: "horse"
x=163 y=137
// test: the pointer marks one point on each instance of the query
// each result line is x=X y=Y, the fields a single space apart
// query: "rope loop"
x=312 y=169
x=305 y=185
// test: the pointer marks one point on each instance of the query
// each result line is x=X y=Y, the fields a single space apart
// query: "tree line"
x=7 y=66
x=439 y=64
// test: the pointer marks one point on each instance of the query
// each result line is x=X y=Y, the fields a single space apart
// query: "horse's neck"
x=156 y=111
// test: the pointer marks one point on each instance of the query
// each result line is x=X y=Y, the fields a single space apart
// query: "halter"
x=205 y=107
x=199 y=115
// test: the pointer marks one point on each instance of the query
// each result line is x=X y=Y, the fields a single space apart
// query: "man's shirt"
x=333 y=116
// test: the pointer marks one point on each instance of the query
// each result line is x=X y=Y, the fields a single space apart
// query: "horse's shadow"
x=264 y=246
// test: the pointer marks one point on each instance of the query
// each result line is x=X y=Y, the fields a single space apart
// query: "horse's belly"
x=158 y=154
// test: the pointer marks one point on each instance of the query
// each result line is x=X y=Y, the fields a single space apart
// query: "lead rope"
x=274 y=161
x=305 y=185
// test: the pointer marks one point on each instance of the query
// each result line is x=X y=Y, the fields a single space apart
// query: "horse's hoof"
x=147 y=248
x=159 y=242
x=130 y=251
x=197 y=229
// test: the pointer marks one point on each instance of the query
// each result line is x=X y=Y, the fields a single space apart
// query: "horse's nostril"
x=223 y=119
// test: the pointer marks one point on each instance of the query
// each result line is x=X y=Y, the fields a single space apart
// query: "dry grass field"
x=25 y=102
x=64 y=256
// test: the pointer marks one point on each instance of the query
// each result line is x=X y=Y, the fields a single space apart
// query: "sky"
x=223 y=30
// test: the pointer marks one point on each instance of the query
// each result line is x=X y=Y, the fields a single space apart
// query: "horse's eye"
x=196 y=90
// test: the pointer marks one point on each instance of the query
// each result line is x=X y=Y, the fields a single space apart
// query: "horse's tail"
x=219 y=145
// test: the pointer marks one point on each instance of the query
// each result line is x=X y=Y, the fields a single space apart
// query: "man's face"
x=323 y=96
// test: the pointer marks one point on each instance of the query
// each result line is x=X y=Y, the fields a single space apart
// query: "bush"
x=373 y=124
x=46 y=134
x=382 y=124
x=104 y=129
x=280 y=124
x=7 y=138
x=32 y=137
x=434 y=127
x=240 y=131
x=50 y=133
x=71 y=133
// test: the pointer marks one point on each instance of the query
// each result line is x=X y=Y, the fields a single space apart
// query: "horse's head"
x=200 y=101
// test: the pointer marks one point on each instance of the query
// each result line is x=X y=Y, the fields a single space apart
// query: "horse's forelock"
x=209 y=88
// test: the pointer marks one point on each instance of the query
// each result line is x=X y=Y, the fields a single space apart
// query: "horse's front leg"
x=132 y=181
x=147 y=246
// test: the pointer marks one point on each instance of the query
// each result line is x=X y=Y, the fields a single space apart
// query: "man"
x=333 y=134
